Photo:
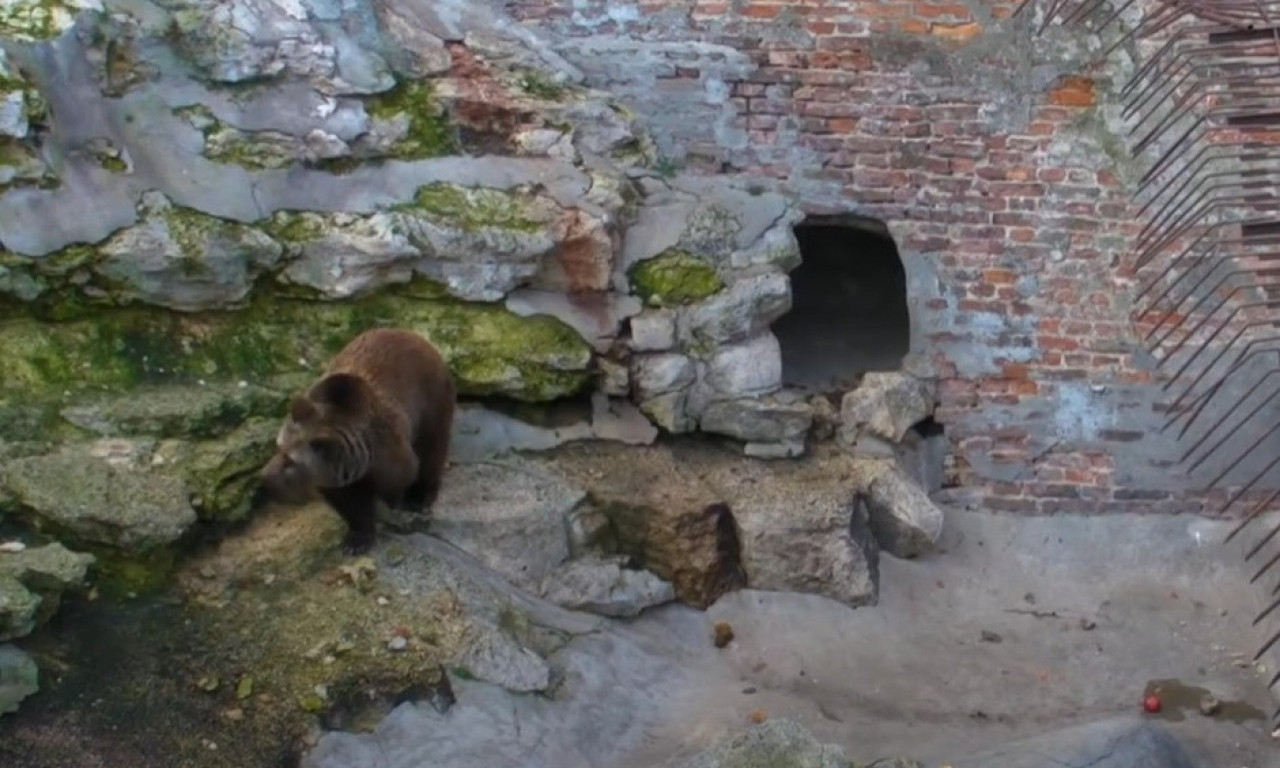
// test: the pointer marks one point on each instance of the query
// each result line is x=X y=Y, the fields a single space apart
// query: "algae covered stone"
x=192 y=411
x=182 y=259
x=86 y=498
x=491 y=350
x=413 y=125
x=19 y=678
x=20 y=102
x=222 y=474
x=32 y=582
x=674 y=277
x=39 y=20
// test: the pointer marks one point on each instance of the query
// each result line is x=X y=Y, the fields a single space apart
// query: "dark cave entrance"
x=849 y=310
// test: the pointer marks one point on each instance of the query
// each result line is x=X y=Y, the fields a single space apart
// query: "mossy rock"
x=32 y=582
x=472 y=208
x=222 y=473
x=39 y=20
x=673 y=277
x=85 y=500
x=195 y=412
x=428 y=132
x=491 y=351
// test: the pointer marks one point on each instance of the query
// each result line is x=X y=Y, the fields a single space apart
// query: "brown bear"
x=375 y=426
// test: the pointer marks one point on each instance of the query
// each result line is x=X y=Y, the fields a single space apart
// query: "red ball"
x=1151 y=704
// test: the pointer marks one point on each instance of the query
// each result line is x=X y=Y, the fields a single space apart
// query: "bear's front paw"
x=357 y=543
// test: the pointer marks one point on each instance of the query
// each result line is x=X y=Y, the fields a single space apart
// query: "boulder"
x=99 y=501
x=661 y=513
x=670 y=411
x=32 y=582
x=174 y=411
x=222 y=473
x=746 y=308
x=184 y=259
x=496 y=658
x=776 y=744
x=748 y=368
x=905 y=522
x=659 y=374
x=809 y=534
x=512 y=515
x=772 y=419
x=653 y=330
x=885 y=404
x=604 y=586
x=19 y=678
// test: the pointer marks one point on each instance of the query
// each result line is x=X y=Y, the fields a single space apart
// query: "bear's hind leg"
x=358 y=505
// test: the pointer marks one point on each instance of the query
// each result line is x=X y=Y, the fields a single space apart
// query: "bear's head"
x=314 y=446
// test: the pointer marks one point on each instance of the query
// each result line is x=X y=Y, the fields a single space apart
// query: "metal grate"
x=1204 y=106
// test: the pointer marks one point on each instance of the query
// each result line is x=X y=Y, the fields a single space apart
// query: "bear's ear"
x=341 y=390
x=301 y=409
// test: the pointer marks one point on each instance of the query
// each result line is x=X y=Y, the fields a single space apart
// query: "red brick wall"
x=997 y=178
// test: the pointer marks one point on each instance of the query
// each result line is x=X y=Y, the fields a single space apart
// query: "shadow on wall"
x=848 y=304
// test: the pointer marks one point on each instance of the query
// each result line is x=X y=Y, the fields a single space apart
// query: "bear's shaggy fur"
x=375 y=426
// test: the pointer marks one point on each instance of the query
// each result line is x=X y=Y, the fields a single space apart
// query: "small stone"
x=886 y=404
x=235 y=714
x=746 y=308
x=1209 y=705
x=770 y=419
x=752 y=367
x=661 y=373
x=615 y=379
x=208 y=683
x=653 y=330
x=758 y=716
x=397 y=643
x=723 y=634
x=383 y=600
x=12 y=546
x=826 y=418
x=19 y=678
x=903 y=518
x=789 y=449
x=604 y=587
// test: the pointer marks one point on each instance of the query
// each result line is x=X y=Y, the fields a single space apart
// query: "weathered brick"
x=1010 y=228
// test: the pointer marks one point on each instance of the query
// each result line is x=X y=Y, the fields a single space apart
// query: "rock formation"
x=201 y=201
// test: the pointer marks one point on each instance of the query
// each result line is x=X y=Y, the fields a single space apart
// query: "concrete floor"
x=912 y=676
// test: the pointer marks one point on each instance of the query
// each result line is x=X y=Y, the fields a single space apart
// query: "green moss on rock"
x=540 y=85
x=39 y=20
x=429 y=133
x=222 y=473
x=22 y=166
x=674 y=277
x=492 y=351
x=471 y=208
x=295 y=226
x=191 y=412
